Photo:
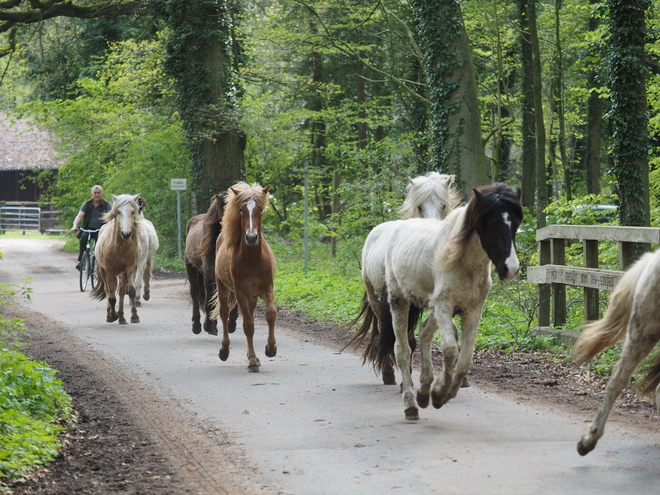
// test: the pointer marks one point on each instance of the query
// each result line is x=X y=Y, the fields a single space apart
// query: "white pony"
x=633 y=312
x=427 y=196
x=443 y=266
x=149 y=245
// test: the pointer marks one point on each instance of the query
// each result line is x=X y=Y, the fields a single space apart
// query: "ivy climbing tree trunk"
x=201 y=58
x=528 y=198
x=630 y=141
x=456 y=143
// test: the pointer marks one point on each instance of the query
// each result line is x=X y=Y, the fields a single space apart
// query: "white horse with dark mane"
x=443 y=266
x=633 y=313
x=427 y=196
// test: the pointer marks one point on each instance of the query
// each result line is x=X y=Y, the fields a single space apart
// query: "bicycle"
x=88 y=262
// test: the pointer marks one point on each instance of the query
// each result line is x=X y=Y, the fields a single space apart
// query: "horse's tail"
x=98 y=292
x=651 y=380
x=214 y=305
x=368 y=326
x=601 y=334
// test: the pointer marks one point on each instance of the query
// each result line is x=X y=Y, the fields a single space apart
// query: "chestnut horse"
x=119 y=249
x=244 y=268
x=202 y=233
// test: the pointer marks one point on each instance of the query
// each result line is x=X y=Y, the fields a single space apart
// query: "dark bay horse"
x=202 y=232
x=244 y=268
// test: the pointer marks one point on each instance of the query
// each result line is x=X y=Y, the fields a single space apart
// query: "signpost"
x=306 y=172
x=178 y=185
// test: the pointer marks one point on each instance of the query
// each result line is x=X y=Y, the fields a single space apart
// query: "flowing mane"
x=211 y=225
x=466 y=220
x=434 y=187
x=231 y=222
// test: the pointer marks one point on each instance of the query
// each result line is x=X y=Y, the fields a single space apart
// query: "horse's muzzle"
x=126 y=235
x=251 y=239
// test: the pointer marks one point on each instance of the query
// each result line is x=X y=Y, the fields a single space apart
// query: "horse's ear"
x=518 y=193
x=234 y=190
x=114 y=198
x=477 y=193
x=266 y=189
x=411 y=182
x=451 y=179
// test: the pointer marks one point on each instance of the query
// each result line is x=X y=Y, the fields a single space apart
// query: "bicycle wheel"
x=92 y=272
x=84 y=271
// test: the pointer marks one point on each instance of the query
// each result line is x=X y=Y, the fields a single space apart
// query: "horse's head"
x=497 y=214
x=125 y=211
x=251 y=203
x=430 y=196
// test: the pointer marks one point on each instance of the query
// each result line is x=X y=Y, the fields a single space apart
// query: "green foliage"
x=121 y=132
x=33 y=405
x=33 y=411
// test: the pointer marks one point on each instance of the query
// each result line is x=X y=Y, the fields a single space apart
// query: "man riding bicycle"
x=90 y=214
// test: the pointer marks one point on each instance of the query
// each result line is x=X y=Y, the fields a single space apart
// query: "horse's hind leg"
x=634 y=350
x=400 y=308
x=206 y=290
x=233 y=317
x=110 y=292
x=123 y=282
x=426 y=334
x=443 y=384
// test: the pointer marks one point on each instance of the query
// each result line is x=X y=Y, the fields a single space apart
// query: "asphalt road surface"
x=315 y=421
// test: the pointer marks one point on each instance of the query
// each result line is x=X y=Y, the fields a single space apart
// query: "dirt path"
x=132 y=438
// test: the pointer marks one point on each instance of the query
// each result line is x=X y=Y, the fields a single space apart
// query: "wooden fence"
x=552 y=276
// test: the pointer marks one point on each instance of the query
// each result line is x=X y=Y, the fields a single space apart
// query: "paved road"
x=315 y=421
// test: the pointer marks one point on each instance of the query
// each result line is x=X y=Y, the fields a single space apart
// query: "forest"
x=335 y=105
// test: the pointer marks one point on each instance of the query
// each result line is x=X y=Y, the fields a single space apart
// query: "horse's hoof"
x=422 y=400
x=438 y=403
x=146 y=296
x=135 y=319
x=584 y=450
x=122 y=321
x=197 y=328
x=412 y=414
x=138 y=304
x=224 y=353
x=111 y=319
x=254 y=368
x=466 y=383
x=389 y=378
x=271 y=351
x=213 y=331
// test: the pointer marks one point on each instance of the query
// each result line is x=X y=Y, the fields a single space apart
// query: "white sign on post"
x=178 y=184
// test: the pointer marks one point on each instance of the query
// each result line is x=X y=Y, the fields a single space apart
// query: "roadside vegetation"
x=34 y=408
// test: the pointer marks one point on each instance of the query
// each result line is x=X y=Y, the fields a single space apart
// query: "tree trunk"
x=528 y=198
x=630 y=141
x=455 y=116
x=203 y=66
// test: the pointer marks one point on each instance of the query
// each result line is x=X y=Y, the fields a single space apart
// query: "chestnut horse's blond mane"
x=231 y=219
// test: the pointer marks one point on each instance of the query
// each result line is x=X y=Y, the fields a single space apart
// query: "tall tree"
x=594 y=121
x=627 y=72
x=201 y=57
x=456 y=145
x=528 y=198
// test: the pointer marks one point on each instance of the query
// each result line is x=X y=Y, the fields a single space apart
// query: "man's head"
x=97 y=192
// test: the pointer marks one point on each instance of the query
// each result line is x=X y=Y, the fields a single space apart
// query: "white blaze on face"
x=250 y=206
x=512 y=263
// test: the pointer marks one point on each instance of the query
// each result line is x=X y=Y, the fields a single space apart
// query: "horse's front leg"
x=400 y=308
x=443 y=384
x=469 y=326
x=271 y=318
x=195 y=282
x=426 y=334
x=222 y=307
x=110 y=284
x=146 y=281
x=247 y=304
x=132 y=295
x=123 y=283
x=205 y=291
